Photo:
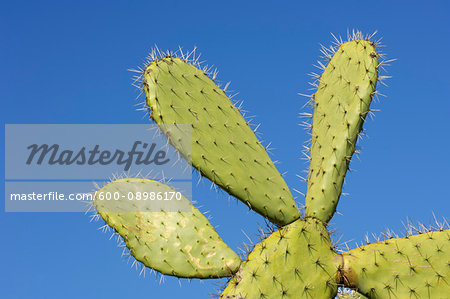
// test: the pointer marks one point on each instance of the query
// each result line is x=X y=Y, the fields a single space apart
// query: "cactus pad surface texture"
x=179 y=243
x=224 y=148
x=298 y=258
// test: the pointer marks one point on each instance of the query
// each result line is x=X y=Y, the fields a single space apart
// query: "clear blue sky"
x=67 y=61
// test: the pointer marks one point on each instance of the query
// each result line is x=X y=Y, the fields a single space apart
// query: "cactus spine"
x=298 y=260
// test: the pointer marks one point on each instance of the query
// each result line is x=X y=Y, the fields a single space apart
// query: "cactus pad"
x=412 y=267
x=341 y=104
x=179 y=243
x=224 y=148
x=295 y=262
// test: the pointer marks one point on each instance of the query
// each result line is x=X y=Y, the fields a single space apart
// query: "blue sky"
x=67 y=61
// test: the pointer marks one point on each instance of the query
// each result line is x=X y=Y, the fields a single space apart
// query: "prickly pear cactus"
x=298 y=260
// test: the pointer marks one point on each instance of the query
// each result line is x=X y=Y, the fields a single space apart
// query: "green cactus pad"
x=341 y=104
x=295 y=262
x=180 y=243
x=412 y=267
x=224 y=148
